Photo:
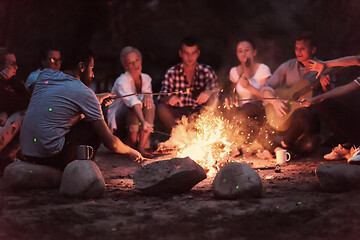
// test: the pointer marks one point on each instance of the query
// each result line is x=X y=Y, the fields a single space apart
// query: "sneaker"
x=338 y=153
x=355 y=156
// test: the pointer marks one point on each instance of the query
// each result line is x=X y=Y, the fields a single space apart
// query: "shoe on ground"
x=355 y=157
x=337 y=153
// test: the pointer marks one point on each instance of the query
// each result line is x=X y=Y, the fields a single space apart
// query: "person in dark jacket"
x=14 y=99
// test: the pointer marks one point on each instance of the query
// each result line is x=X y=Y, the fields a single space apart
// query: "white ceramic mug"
x=282 y=156
x=84 y=152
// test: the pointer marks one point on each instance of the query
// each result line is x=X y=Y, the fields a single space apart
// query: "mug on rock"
x=84 y=152
x=282 y=156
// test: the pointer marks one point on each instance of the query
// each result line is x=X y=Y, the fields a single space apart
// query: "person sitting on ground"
x=190 y=85
x=247 y=78
x=137 y=111
x=49 y=135
x=344 y=122
x=49 y=58
x=300 y=126
x=14 y=100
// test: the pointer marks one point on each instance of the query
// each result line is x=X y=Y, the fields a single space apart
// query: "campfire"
x=210 y=138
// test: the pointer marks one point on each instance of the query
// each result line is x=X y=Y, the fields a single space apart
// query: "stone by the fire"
x=237 y=180
x=24 y=175
x=82 y=178
x=173 y=176
x=338 y=177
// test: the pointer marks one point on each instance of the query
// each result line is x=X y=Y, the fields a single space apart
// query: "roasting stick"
x=269 y=98
x=162 y=133
x=154 y=94
x=235 y=103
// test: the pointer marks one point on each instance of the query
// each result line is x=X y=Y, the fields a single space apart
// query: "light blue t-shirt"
x=57 y=99
x=32 y=78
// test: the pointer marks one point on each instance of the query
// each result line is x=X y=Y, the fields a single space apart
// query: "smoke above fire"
x=213 y=137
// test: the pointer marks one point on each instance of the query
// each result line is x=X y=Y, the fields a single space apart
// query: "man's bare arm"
x=112 y=142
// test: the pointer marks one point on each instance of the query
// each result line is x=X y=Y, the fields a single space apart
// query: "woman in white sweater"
x=138 y=110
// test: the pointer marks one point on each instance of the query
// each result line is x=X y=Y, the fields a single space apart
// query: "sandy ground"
x=292 y=206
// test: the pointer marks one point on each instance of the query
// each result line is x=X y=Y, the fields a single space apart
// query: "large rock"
x=174 y=176
x=338 y=177
x=82 y=178
x=24 y=175
x=237 y=180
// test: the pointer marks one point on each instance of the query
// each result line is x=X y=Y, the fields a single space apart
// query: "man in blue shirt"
x=51 y=130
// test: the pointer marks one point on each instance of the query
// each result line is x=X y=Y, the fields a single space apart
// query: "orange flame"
x=209 y=138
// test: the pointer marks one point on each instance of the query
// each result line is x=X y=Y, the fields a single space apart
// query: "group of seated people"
x=62 y=112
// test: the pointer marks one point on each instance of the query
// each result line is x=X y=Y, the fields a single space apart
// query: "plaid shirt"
x=175 y=80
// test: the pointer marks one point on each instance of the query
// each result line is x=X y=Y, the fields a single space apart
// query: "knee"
x=162 y=109
x=134 y=128
x=149 y=113
x=309 y=145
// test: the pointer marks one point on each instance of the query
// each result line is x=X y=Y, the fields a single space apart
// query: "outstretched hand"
x=315 y=66
x=307 y=102
x=135 y=155
x=105 y=98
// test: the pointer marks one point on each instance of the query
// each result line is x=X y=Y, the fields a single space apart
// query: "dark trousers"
x=167 y=114
x=302 y=136
x=249 y=122
x=82 y=133
x=342 y=119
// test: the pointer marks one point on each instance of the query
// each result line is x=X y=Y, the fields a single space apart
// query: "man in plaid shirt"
x=195 y=84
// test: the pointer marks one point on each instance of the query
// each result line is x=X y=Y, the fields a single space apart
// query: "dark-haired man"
x=49 y=134
x=49 y=58
x=301 y=126
x=195 y=84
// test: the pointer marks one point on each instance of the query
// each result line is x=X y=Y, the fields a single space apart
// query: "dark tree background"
x=157 y=26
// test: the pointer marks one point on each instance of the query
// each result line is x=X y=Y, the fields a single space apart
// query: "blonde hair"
x=126 y=51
